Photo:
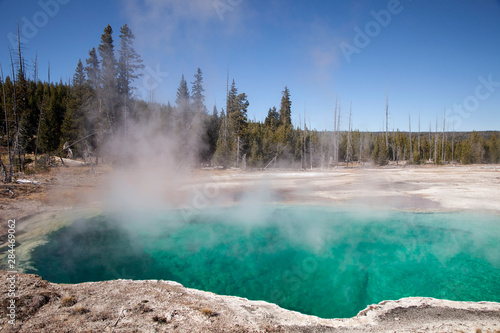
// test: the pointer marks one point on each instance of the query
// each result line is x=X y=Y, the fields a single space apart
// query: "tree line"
x=49 y=119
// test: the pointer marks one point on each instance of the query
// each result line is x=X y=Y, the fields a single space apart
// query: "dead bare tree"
x=227 y=107
x=453 y=143
x=338 y=133
x=436 y=143
x=273 y=160
x=360 y=147
x=8 y=174
x=419 y=135
x=395 y=148
x=305 y=135
x=17 y=134
x=430 y=141
x=411 y=146
x=67 y=146
x=387 y=120
x=444 y=122
x=394 y=144
x=303 y=142
x=349 y=137
x=40 y=117
x=310 y=145
x=335 y=133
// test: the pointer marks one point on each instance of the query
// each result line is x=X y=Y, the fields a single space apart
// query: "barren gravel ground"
x=415 y=188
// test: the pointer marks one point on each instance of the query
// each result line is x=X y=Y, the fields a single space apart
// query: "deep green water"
x=315 y=260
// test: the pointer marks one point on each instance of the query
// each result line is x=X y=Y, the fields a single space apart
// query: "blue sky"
x=428 y=55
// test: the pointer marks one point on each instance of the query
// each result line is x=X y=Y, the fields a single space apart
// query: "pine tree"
x=272 y=119
x=129 y=62
x=232 y=141
x=108 y=92
x=183 y=101
x=182 y=96
x=79 y=76
x=286 y=108
x=92 y=70
x=478 y=147
x=240 y=123
x=73 y=126
x=221 y=154
x=237 y=112
x=212 y=124
x=93 y=104
x=27 y=115
x=197 y=93
x=466 y=152
x=50 y=129
x=284 y=132
x=238 y=115
x=380 y=152
x=494 y=150
x=6 y=127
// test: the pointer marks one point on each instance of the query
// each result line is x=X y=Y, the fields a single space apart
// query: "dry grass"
x=81 y=310
x=208 y=312
x=68 y=300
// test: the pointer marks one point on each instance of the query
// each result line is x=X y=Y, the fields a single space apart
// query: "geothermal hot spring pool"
x=328 y=262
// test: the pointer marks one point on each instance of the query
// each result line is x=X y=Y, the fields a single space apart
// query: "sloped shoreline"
x=156 y=305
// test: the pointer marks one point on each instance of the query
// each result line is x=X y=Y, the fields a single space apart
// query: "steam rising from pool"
x=323 y=261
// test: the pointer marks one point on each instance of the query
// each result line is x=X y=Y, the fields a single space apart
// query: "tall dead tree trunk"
x=40 y=120
x=430 y=141
x=395 y=147
x=310 y=146
x=338 y=133
x=453 y=144
x=22 y=75
x=444 y=122
x=8 y=173
x=227 y=108
x=411 y=146
x=419 y=135
x=335 y=133
x=436 y=142
x=16 y=118
x=349 y=137
x=303 y=142
x=360 y=147
x=387 y=121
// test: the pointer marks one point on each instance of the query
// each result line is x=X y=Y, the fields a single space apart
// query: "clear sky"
x=427 y=55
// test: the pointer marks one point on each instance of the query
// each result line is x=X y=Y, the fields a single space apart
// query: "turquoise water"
x=322 y=261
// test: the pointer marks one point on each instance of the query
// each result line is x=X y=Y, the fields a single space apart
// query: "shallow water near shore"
x=324 y=261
